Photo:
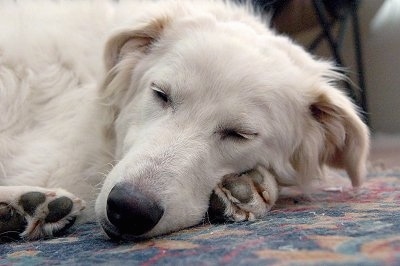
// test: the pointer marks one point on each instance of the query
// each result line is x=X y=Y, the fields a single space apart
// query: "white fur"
x=224 y=69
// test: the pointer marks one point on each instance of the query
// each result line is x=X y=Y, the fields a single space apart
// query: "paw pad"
x=5 y=212
x=31 y=200
x=245 y=196
x=239 y=188
x=58 y=209
x=37 y=214
x=11 y=222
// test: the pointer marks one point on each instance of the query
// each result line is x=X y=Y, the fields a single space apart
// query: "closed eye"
x=160 y=93
x=236 y=134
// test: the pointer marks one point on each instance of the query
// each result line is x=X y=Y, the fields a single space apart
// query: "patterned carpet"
x=331 y=228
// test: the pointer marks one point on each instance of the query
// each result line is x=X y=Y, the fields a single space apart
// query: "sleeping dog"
x=137 y=112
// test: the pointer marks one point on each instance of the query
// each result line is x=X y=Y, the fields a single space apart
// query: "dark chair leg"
x=334 y=45
x=359 y=60
x=318 y=6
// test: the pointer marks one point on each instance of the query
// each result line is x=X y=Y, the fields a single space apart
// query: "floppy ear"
x=124 y=50
x=136 y=40
x=346 y=137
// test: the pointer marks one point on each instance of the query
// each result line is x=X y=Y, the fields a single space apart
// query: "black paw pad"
x=6 y=212
x=31 y=200
x=11 y=223
x=58 y=209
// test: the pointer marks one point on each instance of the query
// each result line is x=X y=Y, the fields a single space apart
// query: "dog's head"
x=198 y=95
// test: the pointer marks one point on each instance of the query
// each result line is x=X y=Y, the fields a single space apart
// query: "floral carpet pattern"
x=331 y=227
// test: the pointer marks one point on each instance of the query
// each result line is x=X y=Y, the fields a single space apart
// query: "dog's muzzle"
x=131 y=211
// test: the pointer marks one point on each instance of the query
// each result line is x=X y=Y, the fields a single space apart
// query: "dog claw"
x=265 y=196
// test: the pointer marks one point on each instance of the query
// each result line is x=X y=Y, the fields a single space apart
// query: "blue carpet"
x=334 y=228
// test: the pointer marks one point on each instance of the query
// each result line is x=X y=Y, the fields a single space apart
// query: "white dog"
x=190 y=92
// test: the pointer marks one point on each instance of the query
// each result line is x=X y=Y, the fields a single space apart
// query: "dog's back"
x=50 y=68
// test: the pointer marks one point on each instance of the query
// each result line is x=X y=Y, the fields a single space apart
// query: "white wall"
x=382 y=50
x=380 y=32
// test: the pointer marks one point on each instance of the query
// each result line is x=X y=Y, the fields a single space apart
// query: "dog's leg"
x=243 y=197
x=35 y=212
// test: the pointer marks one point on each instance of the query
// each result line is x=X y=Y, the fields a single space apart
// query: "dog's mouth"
x=114 y=234
x=111 y=231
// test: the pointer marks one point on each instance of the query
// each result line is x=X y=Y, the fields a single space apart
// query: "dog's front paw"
x=34 y=213
x=241 y=197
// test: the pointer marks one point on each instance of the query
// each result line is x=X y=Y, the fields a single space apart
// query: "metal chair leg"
x=359 y=61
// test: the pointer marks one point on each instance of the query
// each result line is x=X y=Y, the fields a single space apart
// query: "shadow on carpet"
x=332 y=228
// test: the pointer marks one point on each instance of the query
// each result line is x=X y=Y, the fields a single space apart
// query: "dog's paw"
x=38 y=213
x=241 y=197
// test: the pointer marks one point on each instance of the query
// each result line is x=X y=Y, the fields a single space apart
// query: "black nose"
x=132 y=211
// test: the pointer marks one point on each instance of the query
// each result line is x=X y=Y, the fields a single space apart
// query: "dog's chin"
x=110 y=231
x=115 y=235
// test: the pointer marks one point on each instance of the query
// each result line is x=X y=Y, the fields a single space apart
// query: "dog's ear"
x=124 y=50
x=345 y=136
x=135 y=41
